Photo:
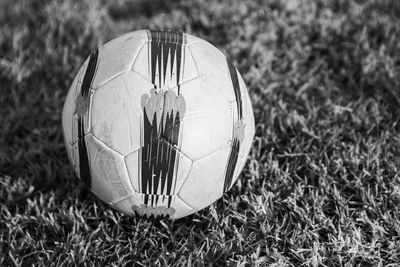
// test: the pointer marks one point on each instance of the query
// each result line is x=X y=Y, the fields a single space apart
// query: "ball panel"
x=109 y=177
x=205 y=182
x=117 y=112
x=112 y=64
x=157 y=169
x=165 y=60
x=213 y=68
x=207 y=123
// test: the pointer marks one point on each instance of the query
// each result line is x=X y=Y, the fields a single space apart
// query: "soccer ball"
x=158 y=123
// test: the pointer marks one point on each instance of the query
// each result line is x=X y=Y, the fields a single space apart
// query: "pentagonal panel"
x=206 y=124
x=109 y=177
x=117 y=112
x=157 y=169
x=212 y=67
x=165 y=61
x=173 y=208
x=206 y=179
x=116 y=57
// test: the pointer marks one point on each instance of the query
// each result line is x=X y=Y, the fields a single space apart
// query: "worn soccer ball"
x=158 y=123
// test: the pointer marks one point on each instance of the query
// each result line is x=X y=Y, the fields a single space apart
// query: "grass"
x=322 y=183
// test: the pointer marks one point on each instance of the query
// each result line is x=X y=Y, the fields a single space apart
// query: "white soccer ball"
x=158 y=123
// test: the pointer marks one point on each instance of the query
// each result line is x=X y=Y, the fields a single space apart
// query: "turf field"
x=321 y=186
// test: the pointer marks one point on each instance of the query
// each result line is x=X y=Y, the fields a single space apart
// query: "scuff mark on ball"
x=82 y=105
x=238 y=130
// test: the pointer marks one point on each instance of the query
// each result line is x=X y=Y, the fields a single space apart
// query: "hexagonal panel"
x=116 y=57
x=206 y=180
x=158 y=168
x=134 y=205
x=108 y=172
x=207 y=121
x=117 y=112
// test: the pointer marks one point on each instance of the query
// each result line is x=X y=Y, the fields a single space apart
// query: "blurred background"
x=321 y=186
